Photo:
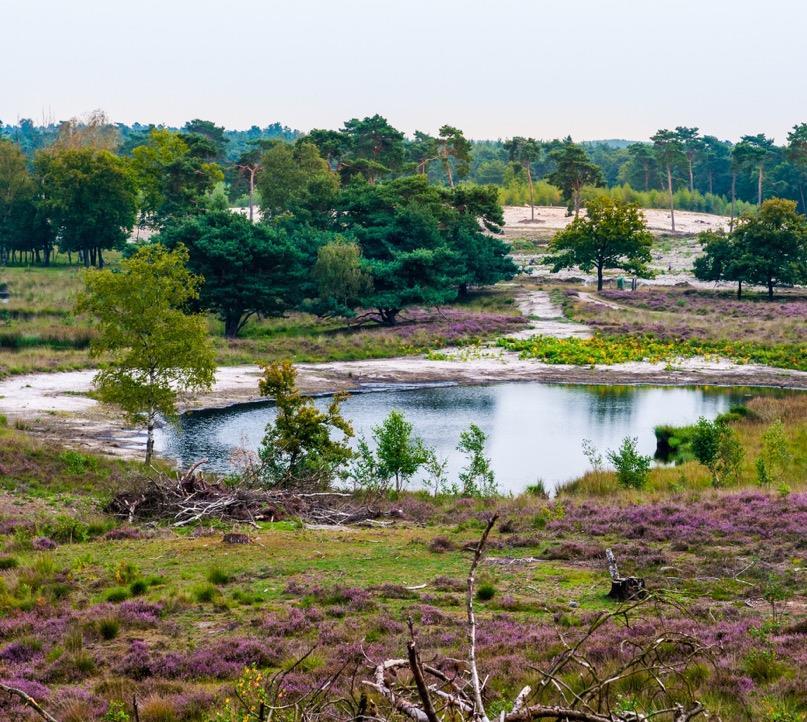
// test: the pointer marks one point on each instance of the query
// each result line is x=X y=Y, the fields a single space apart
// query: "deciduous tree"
x=151 y=348
x=297 y=449
x=612 y=235
x=90 y=196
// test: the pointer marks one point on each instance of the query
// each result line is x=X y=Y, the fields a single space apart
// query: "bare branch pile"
x=189 y=497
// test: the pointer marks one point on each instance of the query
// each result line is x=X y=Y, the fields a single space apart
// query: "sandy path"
x=546 y=318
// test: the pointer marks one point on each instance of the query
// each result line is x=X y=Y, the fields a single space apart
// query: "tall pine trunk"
x=251 y=193
x=672 y=200
x=759 y=186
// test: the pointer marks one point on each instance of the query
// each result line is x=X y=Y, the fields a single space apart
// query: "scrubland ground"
x=94 y=611
x=39 y=330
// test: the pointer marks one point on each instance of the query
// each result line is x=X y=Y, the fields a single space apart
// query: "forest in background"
x=705 y=171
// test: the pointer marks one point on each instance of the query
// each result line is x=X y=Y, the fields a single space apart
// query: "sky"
x=594 y=69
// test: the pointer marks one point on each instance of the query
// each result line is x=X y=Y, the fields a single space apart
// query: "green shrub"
x=117 y=594
x=8 y=563
x=632 y=468
x=108 y=628
x=77 y=463
x=205 y=593
x=485 y=592
x=138 y=587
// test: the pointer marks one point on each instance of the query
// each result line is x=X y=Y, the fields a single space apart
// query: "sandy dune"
x=552 y=218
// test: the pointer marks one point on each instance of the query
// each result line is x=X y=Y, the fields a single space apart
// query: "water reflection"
x=535 y=430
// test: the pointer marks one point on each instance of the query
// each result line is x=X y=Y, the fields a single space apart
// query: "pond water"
x=535 y=430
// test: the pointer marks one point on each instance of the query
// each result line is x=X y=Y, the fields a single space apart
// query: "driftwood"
x=435 y=695
x=189 y=498
x=623 y=589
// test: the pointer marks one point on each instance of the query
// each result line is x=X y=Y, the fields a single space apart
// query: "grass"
x=40 y=332
x=750 y=427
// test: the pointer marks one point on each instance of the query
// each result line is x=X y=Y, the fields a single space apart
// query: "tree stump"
x=623 y=589
x=234 y=538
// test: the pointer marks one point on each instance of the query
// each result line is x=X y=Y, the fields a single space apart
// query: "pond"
x=535 y=431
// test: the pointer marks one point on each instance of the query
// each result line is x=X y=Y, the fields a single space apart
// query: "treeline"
x=342 y=226
x=704 y=171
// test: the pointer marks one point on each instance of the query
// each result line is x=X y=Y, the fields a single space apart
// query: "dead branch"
x=469 y=605
x=665 y=657
x=189 y=498
x=28 y=701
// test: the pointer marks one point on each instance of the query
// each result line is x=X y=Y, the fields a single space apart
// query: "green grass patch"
x=610 y=350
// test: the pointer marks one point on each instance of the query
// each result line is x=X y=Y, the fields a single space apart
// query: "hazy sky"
x=496 y=68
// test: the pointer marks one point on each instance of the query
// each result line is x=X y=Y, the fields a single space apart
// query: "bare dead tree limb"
x=469 y=606
x=28 y=701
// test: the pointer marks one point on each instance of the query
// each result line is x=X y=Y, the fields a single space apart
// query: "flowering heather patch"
x=671 y=313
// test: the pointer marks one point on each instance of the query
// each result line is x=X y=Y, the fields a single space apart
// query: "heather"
x=96 y=611
x=346 y=594
x=687 y=314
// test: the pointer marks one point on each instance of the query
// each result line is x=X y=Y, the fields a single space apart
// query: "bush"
x=117 y=594
x=8 y=563
x=485 y=592
x=716 y=446
x=632 y=468
x=138 y=587
x=205 y=593
x=108 y=628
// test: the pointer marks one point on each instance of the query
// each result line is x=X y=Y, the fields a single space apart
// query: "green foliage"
x=573 y=170
x=8 y=562
x=476 y=477
x=422 y=245
x=218 y=576
x=108 y=628
x=775 y=456
x=117 y=594
x=116 y=712
x=205 y=593
x=400 y=454
x=616 y=349
x=155 y=350
x=485 y=592
x=295 y=179
x=297 y=448
x=612 y=235
x=772 y=245
x=175 y=174
x=341 y=281
x=716 y=446
x=248 y=269
x=77 y=463
x=632 y=468
x=90 y=197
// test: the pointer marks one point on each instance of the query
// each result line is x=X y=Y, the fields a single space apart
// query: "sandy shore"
x=57 y=406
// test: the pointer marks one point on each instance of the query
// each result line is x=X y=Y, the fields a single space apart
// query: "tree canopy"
x=151 y=348
x=248 y=268
x=612 y=235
